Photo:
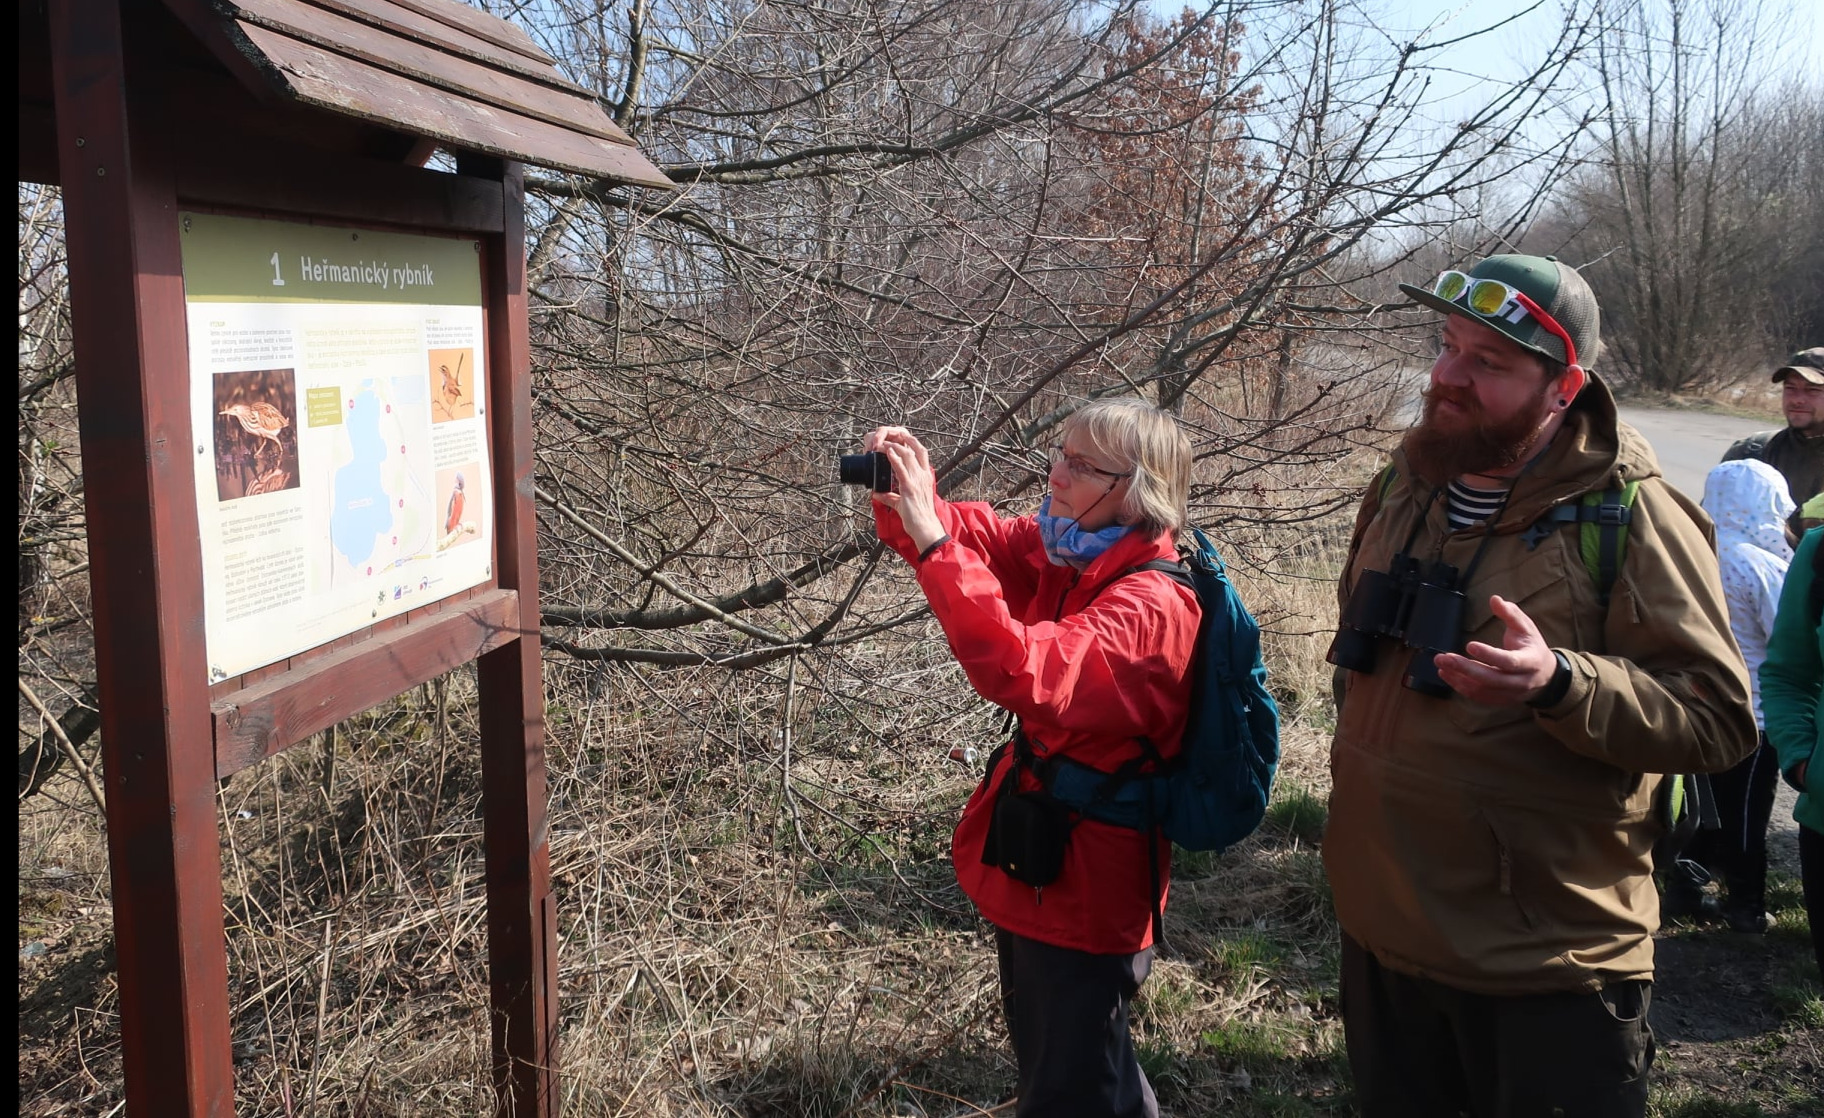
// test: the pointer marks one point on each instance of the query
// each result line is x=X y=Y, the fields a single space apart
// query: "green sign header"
x=249 y=260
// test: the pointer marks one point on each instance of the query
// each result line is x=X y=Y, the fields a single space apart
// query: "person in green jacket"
x=1792 y=698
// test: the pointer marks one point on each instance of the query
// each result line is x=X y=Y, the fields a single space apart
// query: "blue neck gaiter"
x=1068 y=545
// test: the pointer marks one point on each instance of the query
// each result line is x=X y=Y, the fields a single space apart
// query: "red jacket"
x=1086 y=679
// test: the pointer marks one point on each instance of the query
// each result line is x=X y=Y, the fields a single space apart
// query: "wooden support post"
x=522 y=913
x=133 y=382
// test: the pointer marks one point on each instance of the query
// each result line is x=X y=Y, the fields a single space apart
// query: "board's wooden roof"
x=433 y=68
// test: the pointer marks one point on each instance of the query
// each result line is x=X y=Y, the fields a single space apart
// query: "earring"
x=1563 y=403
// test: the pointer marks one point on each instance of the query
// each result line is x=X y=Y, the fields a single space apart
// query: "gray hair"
x=1148 y=441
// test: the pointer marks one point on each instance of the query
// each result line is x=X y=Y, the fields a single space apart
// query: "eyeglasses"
x=1079 y=467
x=1494 y=299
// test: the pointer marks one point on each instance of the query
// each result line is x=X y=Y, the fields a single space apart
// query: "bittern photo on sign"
x=256 y=433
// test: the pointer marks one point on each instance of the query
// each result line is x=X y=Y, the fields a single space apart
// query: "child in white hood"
x=1750 y=504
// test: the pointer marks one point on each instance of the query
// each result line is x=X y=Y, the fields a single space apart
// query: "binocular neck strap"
x=1412 y=537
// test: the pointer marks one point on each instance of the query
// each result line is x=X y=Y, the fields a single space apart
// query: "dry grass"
x=758 y=914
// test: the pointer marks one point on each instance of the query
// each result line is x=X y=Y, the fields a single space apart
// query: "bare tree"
x=968 y=218
x=1688 y=210
x=55 y=637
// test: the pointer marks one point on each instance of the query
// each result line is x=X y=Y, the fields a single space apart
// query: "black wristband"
x=1560 y=683
x=935 y=544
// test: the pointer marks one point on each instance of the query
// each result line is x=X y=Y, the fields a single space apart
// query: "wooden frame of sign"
x=318 y=114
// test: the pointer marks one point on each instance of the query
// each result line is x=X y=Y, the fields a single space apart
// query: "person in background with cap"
x=1492 y=808
x=1736 y=851
x=1747 y=501
x=1796 y=450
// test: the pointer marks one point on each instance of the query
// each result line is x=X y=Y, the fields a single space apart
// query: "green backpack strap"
x=1603 y=537
x=1383 y=485
x=1602 y=520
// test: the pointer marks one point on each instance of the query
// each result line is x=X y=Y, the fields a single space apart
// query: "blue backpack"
x=1214 y=793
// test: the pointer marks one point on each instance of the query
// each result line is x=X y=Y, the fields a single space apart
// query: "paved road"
x=1688 y=443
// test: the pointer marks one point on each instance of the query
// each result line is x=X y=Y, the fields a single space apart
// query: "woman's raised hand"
x=916 y=497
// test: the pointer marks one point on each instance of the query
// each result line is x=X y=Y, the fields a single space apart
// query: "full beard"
x=1474 y=443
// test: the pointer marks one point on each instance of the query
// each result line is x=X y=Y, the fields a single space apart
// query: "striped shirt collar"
x=1468 y=506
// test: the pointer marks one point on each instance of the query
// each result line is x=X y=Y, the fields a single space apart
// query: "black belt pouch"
x=1027 y=833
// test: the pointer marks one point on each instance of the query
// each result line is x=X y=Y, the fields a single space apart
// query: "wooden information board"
x=304 y=386
x=338 y=380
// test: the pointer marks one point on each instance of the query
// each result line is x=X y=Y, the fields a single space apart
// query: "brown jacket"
x=1506 y=850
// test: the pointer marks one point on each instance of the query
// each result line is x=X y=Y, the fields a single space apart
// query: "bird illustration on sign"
x=256 y=445
x=261 y=419
x=461 y=514
x=452 y=384
x=453 y=513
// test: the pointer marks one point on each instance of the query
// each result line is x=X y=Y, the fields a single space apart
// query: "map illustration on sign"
x=381 y=510
x=338 y=394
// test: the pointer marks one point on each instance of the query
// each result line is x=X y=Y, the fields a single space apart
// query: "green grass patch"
x=1190 y=865
x=1791 y=924
x=1254 y=1045
x=1799 y=1005
x=1240 y=954
x=1311 y=887
x=1169 y=993
x=1271 y=1104
x=1158 y=1058
x=1691 y=1104
x=1298 y=813
x=1785 y=896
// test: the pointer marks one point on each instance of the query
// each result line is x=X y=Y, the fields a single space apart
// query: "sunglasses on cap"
x=1494 y=299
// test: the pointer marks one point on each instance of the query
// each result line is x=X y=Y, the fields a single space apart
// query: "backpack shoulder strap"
x=1383 y=482
x=1602 y=518
x=1167 y=567
x=1172 y=570
x=1603 y=536
x=1751 y=446
x=1372 y=500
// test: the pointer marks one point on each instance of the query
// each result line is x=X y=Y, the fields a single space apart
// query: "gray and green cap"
x=1555 y=286
x=1807 y=364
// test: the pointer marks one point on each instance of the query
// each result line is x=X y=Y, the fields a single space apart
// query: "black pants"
x=1737 y=851
x=1420 y=1049
x=1811 y=876
x=1067 y=1016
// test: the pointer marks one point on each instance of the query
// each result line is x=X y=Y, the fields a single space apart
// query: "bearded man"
x=1504 y=717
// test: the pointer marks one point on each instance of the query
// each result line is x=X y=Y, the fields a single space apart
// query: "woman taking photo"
x=1047 y=621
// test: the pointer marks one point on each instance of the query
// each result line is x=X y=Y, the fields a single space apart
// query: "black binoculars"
x=874 y=470
x=1417 y=605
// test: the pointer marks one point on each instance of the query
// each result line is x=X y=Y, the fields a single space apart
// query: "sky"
x=1465 y=75
x=1803 y=21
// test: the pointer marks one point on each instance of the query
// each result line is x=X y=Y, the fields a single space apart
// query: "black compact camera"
x=1417 y=605
x=873 y=470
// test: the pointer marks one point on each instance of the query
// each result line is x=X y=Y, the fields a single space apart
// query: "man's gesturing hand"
x=1513 y=673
